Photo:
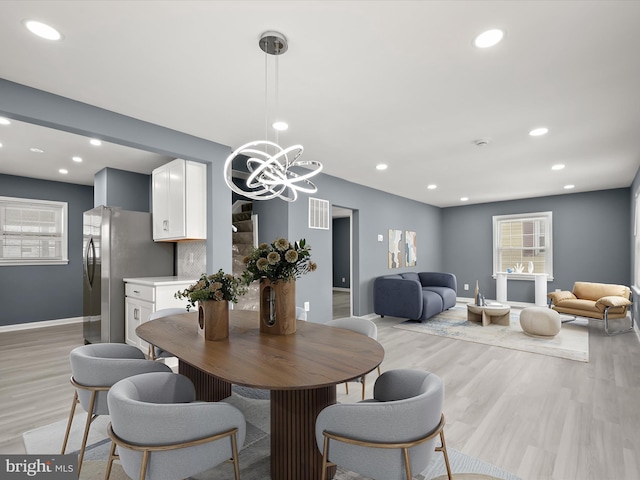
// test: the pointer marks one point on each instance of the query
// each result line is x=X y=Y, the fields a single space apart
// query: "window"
x=33 y=232
x=520 y=239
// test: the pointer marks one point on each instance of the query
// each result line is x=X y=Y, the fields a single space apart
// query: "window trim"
x=548 y=218
x=63 y=209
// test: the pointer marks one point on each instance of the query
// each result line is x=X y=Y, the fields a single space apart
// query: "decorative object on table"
x=273 y=171
x=477 y=292
x=509 y=270
x=276 y=266
x=395 y=248
x=410 y=249
x=212 y=293
x=530 y=267
x=519 y=268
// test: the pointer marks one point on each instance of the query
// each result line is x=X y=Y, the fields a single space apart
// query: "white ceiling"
x=363 y=82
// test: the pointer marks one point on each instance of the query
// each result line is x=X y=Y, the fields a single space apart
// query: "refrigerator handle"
x=90 y=261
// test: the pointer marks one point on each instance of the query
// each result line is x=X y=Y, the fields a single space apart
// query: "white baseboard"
x=44 y=323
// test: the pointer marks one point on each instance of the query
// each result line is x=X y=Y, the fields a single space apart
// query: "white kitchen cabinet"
x=180 y=201
x=143 y=296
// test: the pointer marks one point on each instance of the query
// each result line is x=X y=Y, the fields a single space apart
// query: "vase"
x=278 y=307
x=530 y=267
x=213 y=319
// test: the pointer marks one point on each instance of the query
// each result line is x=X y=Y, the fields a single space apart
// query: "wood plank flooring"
x=539 y=417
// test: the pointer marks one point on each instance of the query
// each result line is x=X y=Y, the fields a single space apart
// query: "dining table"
x=301 y=371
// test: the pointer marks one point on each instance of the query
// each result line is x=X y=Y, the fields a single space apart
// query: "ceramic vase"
x=213 y=319
x=278 y=307
x=530 y=267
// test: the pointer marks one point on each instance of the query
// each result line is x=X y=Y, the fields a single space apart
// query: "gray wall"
x=374 y=212
x=48 y=292
x=591 y=241
x=118 y=188
x=341 y=253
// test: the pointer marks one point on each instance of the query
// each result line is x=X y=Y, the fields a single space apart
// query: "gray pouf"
x=540 y=322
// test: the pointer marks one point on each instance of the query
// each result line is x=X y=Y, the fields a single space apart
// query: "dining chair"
x=358 y=325
x=390 y=436
x=162 y=433
x=153 y=352
x=94 y=369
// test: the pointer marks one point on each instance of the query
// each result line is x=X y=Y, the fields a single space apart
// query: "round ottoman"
x=540 y=322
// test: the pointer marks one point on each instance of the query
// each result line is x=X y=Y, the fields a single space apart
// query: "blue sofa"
x=416 y=296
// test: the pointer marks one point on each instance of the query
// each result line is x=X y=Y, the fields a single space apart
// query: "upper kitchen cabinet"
x=180 y=201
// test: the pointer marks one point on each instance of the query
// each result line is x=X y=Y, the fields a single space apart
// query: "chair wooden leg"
x=346 y=386
x=363 y=385
x=379 y=371
x=71 y=414
x=443 y=449
x=145 y=462
x=112 y=457
x=92 y=404
x=325 y=457
x=234 y=451
x=407 y=463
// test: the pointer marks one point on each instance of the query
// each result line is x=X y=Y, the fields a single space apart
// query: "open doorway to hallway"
x=342 y=248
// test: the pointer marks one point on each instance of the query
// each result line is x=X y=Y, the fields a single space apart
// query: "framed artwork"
x=410 y=249
x=395 y=248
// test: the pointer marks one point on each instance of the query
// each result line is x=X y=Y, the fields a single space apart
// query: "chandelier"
x=273 y=171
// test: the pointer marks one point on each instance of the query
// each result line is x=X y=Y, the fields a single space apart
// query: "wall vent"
x=318 y=213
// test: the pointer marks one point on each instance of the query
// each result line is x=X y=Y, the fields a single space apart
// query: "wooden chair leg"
x=325 y=457
x=407 y=463
x=236 y=463
x=443 y=449
x=87 y=425
x=346 y=386
x=112 y=457
x=145 y=462
x=71 y=414
x=362 y=379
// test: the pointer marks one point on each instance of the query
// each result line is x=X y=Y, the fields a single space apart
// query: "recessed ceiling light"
x=536 y=132
x=280 y=125
x=43 y=30
x=432 y=186
x=63 y=171
x=558 y=166
x=464 y=199
x=489 y=38
x=95 y=142
x=36 y=150
x=4 y=121
x=76 y=159
x=382 y=166
x=569 y=187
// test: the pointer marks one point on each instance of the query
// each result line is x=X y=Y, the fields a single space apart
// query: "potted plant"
x=212 y=294
x=277 y=266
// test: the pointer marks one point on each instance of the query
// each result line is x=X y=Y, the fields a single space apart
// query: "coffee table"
x=301 y=370
x=498 y=314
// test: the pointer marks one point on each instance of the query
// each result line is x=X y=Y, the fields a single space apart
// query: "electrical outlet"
x=306 y=306
x=466 y=286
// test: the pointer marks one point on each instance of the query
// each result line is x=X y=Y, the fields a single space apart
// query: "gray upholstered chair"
x=390 y=436
x=162 y=433
x=358 y=325
x=154 y=352
x=94 y=369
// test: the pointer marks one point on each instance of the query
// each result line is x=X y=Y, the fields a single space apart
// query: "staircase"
x=243 y=240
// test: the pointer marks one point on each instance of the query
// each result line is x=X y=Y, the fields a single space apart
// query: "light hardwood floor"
x=539 y=417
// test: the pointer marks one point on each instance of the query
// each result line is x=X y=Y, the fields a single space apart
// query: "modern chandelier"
x=273 y=171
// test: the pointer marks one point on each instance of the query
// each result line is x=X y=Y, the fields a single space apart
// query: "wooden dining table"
x=301 y=370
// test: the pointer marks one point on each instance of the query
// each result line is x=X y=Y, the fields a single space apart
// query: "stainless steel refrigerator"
x=117 y=244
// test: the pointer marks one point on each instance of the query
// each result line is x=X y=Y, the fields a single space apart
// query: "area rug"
x=254 y=456
x=571 y=343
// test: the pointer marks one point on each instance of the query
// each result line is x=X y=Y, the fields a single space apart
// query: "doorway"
x=342 y=252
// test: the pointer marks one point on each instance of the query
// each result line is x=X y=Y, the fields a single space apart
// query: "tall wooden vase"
x=213 y=319
x=278 y=307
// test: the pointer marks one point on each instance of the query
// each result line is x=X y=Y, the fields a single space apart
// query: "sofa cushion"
x=448 y=296
x=595 y=291
x=410 y=276
x=432 y=304
x=579 y=304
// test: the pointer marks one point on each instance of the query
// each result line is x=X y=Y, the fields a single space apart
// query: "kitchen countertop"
x=157 y=281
